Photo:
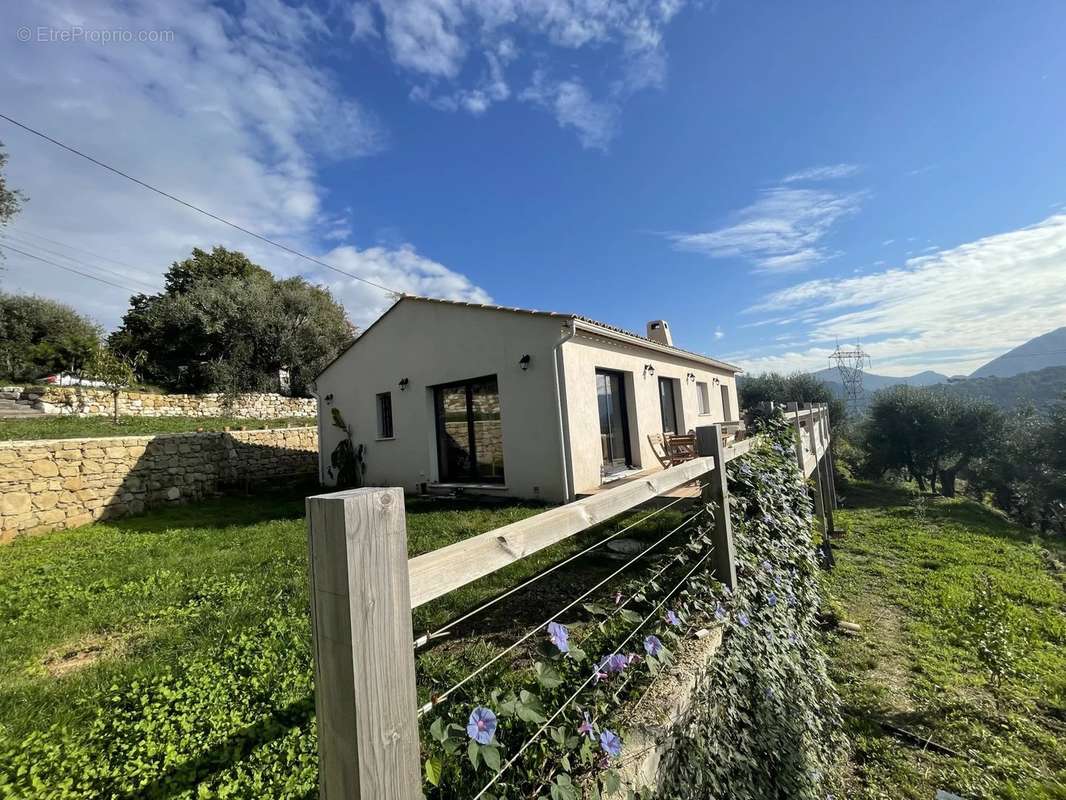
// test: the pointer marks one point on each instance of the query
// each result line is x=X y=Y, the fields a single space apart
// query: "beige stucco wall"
x=431 y=344
x=585 y=353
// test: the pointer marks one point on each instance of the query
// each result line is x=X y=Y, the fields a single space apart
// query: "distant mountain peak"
x=1048 y=350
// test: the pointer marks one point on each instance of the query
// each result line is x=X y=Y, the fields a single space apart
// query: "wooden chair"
x=658 y=447
x=679 y=448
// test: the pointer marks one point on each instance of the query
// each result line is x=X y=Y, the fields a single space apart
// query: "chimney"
x=659 y=331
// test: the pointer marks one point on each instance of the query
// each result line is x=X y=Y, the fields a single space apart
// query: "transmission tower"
x=851 y=361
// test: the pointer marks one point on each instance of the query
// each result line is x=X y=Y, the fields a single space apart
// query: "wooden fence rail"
x=364 y=587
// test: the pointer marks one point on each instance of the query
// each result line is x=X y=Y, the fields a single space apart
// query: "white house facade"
x=511 y=402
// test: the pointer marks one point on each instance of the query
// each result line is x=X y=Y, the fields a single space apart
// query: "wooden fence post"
x=716 y=490
x=797 y=436
x=365 y=697
x=829 y=454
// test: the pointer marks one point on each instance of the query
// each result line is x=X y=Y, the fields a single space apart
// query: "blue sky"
x=766 y=176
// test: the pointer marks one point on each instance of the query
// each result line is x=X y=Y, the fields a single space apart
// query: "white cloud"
x=230 y=114
x=718 y=333
x=441 y=43
x=781 y=232
x=595 y=122
x=823 y=173
x=950 y=311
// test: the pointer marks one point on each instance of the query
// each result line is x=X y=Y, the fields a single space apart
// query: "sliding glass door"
x=614 y=422
x=469 y=431
x=668 y=405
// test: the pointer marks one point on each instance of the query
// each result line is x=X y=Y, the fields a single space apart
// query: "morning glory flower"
x=792 y=599
x=777 y=581
x=742 y=618
x=481 y=726
x=617 y=662
x=766 y=565
x=585 y=728
x=771 y=600
x=672 y=619
x=769 y=692
x=560 y=636
x=719 y=612
x=610 y=743
x=652 y=646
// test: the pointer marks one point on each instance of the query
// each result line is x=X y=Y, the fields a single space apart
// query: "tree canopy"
x=11 y=200
x=799 y=387
x=223 y=323
x=40 y=336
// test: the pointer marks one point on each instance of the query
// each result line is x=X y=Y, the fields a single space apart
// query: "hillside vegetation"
x=963 y=642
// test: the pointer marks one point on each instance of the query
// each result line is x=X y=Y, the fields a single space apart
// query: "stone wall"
x=88 y=401
x=64 y=483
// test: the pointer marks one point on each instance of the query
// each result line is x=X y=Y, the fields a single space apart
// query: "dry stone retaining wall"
x=64 y=483
x=89 y=401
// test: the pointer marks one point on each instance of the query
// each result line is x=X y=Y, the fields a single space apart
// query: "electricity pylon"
x=850 y=362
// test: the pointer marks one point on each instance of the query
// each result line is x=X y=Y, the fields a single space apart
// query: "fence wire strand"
x=438 y=699
x=525 y=746
x=423 y=640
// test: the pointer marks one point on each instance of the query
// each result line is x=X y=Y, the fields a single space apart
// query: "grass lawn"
x=70 y=427
x=963 y=641
x=170 y=653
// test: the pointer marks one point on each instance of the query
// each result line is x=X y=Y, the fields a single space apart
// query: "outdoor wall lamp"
x=404 y=383
x=715 y=381
x=692 y=376
x=329 y=399
x=523 y=362
x=648 y=369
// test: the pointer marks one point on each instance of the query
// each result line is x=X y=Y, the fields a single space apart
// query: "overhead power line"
x=24 y=243
x=23 y=232
x=196 y=208
x=68 y=269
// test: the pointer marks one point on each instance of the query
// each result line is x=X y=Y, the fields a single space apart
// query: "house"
x=511 y=402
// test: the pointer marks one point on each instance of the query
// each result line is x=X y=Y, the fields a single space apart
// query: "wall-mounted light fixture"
x=692 y=376
x=404 y=383
x=648 y=370
x=329 y=399
x=523 y=362
x=715 y=380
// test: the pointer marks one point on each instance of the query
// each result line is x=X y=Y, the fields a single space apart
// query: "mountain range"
x=1033 y=373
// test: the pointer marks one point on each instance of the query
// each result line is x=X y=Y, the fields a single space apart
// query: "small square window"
x=385 y=415
x=703 y=397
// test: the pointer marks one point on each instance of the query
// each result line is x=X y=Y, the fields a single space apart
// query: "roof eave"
x=650 y=345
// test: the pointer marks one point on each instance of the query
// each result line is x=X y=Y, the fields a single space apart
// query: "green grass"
x=70 y=427
x=909 y=572
x=172 y=651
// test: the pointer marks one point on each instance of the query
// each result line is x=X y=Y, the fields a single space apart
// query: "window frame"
x=386 y=418
x=703 y=398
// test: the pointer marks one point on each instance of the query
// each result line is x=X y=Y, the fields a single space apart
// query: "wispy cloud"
x=951 y=310
x=460 y=54
x=827 y=172
x=233 y=114
x=782 y=231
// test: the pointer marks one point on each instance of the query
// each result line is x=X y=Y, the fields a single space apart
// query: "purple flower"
x=672 y=619
x=771 y=600
x=777 y=581
x=742 y=618
x=618 y=662
x=719 y=612
x=652 y=646
x=585 y=728
x=766 y=565
x=726 y=591
x=610 y=743
x=559 y=636
x=769 y=692
x=792 y=600
x=481 y=726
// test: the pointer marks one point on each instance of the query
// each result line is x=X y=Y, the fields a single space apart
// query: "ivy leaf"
x=595 y=609
x=491 y=755
x=612 y=782
x=577 y=654
x=630 y=616
x=529 y=708
x=437 y=731
x=433 y=770
x=473 y=751
x=547 y=675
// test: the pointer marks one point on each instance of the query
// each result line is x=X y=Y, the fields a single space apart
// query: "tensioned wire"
x=437 y=699
x=588 y=680
x=421 y=641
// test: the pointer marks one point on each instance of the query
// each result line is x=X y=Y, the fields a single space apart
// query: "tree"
x=973 y=428
x=906 y=429
x=223 y=323
x=116 y=372
x=11 y=200
x=40 y=336
x=799 y=387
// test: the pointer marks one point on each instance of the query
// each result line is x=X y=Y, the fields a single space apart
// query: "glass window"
x=385 y=415
x=470 y=431
x=703 y=397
